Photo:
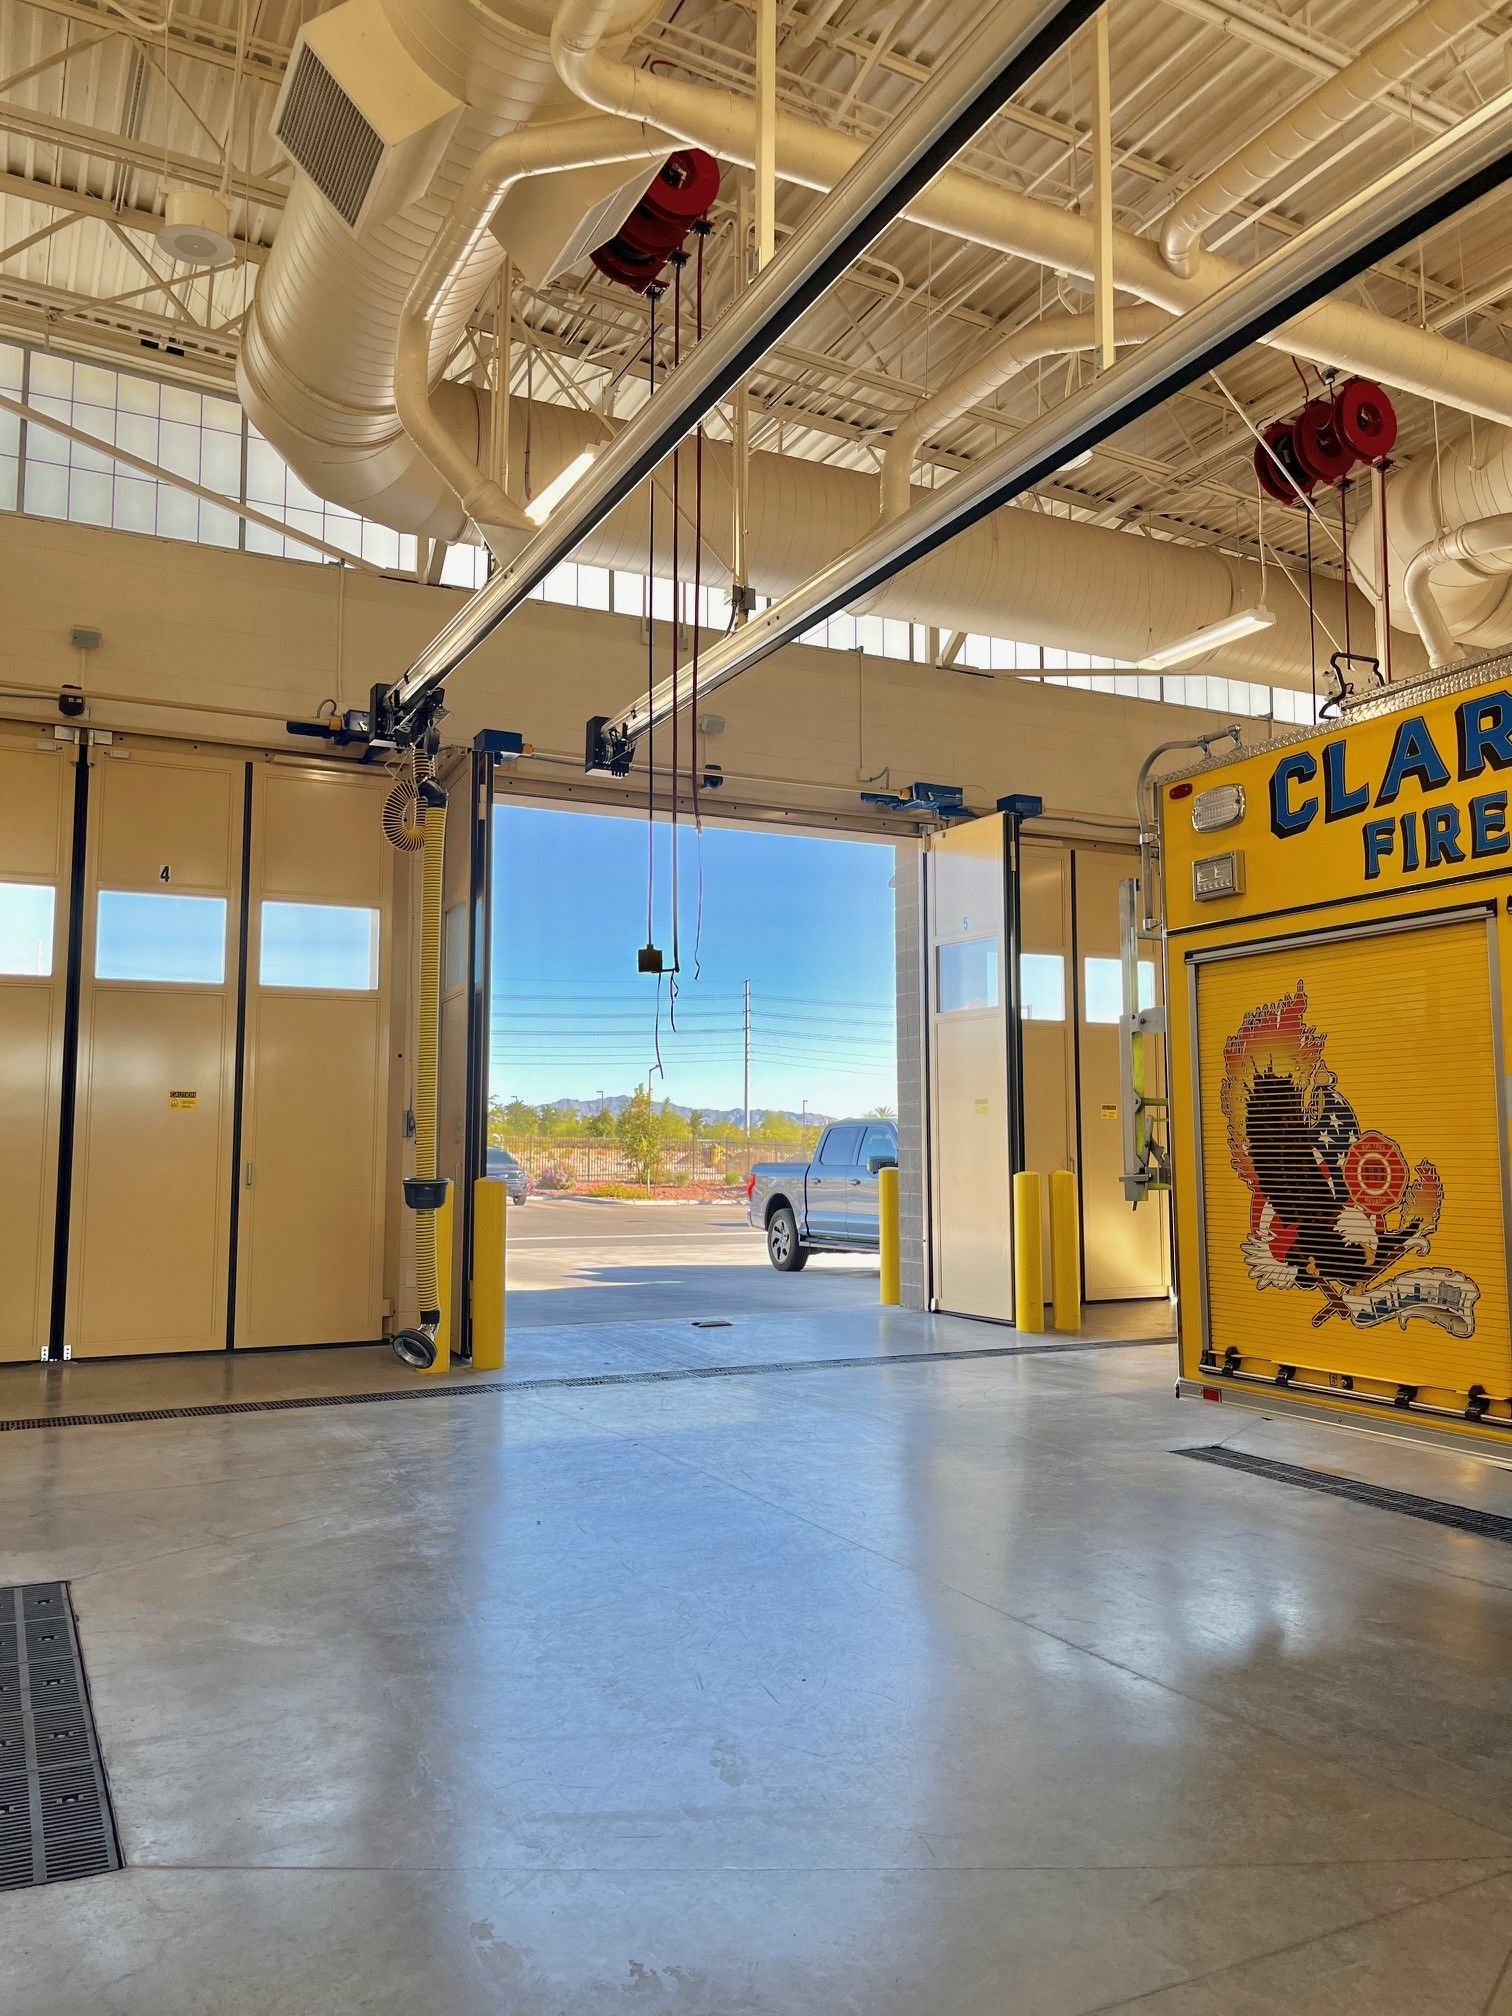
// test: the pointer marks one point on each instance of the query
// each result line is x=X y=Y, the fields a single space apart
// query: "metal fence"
x=554 y=1164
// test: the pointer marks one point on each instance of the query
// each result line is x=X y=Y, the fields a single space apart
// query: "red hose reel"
x=1322 y=443
x=680 y=196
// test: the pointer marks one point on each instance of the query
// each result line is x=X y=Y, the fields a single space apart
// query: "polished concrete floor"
x=940 y=1689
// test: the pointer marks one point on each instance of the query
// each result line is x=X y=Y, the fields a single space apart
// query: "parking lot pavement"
x=674 y=1261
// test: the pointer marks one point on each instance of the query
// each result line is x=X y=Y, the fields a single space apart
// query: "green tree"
x=599 y=1126
x=517 y=1121
x=643 y=1130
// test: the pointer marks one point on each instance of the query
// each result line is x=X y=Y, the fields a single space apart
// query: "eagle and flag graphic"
x=1334 y=1207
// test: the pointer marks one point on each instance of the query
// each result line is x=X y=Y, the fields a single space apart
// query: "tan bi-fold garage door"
x=1352 y=1163
x=36 y=796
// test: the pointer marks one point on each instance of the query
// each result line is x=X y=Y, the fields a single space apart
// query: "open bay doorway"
x=628 y=1110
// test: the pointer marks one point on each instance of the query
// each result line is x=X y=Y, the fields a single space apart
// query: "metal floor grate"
x=1435 y=1511
x=55 y=1817
x=570 y=1382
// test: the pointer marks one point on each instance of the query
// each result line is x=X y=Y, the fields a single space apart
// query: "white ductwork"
x=317 y=366
x=1490 y=538
x=1019 y=573
x=1433 y=502
x=993 y=367
x=1425 y=33
x=534 y=150
x=1342 y=334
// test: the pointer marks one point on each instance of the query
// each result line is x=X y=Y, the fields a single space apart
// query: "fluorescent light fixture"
x=1244 y=624
x=539 y=509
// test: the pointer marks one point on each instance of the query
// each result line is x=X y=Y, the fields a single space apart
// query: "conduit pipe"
x=942 y=116
x=1345 y=335
x=533 y=150
x=1001 y=360
x=1468 y=542
x=1426 y=32
x=1432 y=497
x=1432 y=184
x=1026 y=574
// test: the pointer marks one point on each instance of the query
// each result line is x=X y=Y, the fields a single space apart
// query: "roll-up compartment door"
x=1352 y=1157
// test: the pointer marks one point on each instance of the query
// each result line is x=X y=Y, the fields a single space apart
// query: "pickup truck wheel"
x=783 y=1248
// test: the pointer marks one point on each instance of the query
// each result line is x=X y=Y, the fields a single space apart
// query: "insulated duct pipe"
x=1342 y=334
x=1467 y=542
x=1432 y=184
x=568 y=143
x=316 y=369
x=1425 y=33
x=941 y=117
x=1026 y=574
x=1002 y=359
x=1431 y=497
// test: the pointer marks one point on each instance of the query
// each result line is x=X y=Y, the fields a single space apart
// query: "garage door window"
x=26 y=928
x=967 y=976
x=328 y=946
x=1042 y=980
x=1103 y=985
x=141 y=935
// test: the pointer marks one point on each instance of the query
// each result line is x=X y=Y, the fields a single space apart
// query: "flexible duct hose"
x=402 y=821
x=427 y=1073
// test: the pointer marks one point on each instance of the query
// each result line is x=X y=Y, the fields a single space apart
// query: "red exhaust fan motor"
x=1323 y=442
x=681 y=194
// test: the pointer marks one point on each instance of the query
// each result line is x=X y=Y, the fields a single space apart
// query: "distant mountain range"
x=713 y=1115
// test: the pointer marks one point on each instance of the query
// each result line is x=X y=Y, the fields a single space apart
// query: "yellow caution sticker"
x=183 y=1102
x=1110 y=1112
x=981 y=1106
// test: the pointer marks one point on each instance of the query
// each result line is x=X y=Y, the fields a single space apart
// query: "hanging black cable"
x=653 y=294
x=1312 y=620
x=678 y=261
x=695 y=766
x=1344 y=539
x=1385 y=567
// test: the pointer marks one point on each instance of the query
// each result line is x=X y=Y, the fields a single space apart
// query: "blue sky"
x=808 y=922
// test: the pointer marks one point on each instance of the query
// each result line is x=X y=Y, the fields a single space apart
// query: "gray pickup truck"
x=828 y=1205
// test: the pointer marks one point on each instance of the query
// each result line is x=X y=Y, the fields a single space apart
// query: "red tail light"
x=750 y=1186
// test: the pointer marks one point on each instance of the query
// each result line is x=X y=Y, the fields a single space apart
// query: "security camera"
x=71 y=703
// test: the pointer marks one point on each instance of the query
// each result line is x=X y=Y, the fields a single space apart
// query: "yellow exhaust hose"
x=423 y=1347
x=428 y=1060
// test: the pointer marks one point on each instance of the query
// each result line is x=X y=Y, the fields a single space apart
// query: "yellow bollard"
x=1028 y=1252
x=444 y=1282
x=887 y=1222
x=1065 y=1250
x=489 y=1211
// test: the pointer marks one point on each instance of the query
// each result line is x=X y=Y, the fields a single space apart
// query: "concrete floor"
x=663 y=1260
x=926 y=1690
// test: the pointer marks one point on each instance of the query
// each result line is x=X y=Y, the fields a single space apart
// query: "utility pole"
x=748 y=1059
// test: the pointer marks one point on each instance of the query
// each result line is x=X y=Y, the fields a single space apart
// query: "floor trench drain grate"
x=55 y=1817
x=1379 y=1497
